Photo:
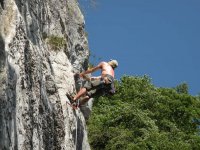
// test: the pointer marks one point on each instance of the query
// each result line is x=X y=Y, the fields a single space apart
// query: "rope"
x=77 y=112
x=80 y=82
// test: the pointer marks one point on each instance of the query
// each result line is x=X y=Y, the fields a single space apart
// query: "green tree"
x=182 y=88
x=141 y=116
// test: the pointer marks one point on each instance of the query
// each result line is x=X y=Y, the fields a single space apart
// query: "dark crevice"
x=2 y=53
x=28 y=63
x=2 y=3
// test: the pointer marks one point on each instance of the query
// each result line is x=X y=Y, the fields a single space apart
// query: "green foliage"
x=182 y=88
x=90 y=65
x=140 y=116
x=56 y=42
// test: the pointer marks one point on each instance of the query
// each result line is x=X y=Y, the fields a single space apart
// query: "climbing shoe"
x=70 y=98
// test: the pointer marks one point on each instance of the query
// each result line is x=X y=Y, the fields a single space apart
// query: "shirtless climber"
x=96 y=86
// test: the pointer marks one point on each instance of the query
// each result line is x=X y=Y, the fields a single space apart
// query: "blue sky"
x=159 y=38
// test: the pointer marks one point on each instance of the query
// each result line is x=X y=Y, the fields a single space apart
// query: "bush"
x=56 y=43
x=141 y=116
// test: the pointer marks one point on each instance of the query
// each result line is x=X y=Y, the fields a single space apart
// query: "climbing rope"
x=80 y=83
x=77 y=117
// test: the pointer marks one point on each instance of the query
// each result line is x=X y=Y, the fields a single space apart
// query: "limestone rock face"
x=42 y=44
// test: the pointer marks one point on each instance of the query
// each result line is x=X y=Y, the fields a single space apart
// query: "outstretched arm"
x=91 y=70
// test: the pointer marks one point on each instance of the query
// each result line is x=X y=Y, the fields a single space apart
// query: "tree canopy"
x=142 y=116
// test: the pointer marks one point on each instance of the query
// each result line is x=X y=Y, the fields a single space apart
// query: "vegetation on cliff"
x=142 y=116
x=56 y=42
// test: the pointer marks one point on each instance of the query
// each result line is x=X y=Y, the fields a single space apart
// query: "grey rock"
x=42 y=44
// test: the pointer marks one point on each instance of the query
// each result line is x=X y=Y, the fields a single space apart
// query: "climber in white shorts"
x=96 y=86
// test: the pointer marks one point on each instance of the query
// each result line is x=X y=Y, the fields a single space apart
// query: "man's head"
x=113 y=63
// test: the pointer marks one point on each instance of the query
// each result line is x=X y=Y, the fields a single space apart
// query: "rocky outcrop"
x=42 y=43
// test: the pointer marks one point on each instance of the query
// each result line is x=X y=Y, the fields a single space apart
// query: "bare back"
x=106 y=69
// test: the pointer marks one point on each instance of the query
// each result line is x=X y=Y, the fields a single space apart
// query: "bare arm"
x=99 y=66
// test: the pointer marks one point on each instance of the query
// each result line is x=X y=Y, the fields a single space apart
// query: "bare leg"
x=82 y=92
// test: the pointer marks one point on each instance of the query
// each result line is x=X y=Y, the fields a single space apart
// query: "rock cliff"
x=42 y=43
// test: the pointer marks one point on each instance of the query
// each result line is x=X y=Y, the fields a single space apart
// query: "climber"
x=96 y=86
